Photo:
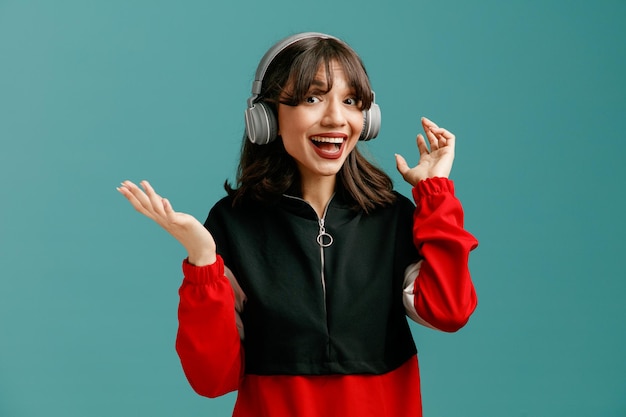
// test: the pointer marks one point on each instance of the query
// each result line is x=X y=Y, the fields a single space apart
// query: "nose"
x=334 y=114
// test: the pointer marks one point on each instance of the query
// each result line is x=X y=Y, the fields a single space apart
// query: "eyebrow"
x=318 y=86
x=318 y=83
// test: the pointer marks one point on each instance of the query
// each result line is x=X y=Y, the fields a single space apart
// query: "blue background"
x=95 y=92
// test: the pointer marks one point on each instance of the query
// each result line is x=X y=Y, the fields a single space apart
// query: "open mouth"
x=328 y=147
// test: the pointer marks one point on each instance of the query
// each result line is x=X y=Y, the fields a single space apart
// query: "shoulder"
x=226 y=212
x=220 y=209
x=402 y=203
x=400 y=207
x=402 y=200
x=223 y=204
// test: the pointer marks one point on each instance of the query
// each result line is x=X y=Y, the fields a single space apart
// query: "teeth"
x=326 y=139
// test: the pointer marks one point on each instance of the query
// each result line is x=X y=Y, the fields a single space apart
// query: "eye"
x=351 y=101
x=312 y=100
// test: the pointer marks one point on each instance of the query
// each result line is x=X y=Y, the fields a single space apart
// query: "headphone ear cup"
x=261 y=125
x=371 y=122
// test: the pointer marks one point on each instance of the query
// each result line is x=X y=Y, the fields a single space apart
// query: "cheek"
x=292 y=120
x=356 y=123
x=351 y=145
x=292 y=138
x=290 y=146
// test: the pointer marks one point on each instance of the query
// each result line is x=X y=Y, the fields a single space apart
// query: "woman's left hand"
x=436 y=162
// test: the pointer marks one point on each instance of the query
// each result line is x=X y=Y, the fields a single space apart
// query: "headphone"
x=261 y=123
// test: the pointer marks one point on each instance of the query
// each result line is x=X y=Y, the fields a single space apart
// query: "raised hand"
x=183 y=227
x=436 y=162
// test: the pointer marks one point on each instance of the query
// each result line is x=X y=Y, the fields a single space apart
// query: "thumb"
x=167 y=206
x=401 y=164
x=169 y=210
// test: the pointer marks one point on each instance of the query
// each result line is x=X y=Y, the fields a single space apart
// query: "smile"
x=328 y=147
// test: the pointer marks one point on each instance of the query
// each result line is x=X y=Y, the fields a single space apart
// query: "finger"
x=442 y=133
x=156 y=201
x=168 y=209
x=441 y=140
x=167 y=206
x=421 y=145
x=429 y=127
x=124 y=189
x=444 y=136
x=432 y=139
x=132 y=191
x=428 y=124
x=139 y=196
x=401 y=165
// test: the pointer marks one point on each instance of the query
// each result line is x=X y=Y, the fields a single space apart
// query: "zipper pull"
x=323 y=238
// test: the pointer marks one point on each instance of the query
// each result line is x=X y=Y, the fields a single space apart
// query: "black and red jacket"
x=327 y=322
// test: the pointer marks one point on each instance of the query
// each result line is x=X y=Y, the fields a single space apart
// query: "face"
x=320 y=132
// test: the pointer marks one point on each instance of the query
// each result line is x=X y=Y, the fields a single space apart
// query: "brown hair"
x=266 y=172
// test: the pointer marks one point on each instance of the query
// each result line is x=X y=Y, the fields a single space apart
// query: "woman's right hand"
x=185 y=228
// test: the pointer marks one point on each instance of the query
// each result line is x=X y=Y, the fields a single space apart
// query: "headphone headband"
x=274 y=51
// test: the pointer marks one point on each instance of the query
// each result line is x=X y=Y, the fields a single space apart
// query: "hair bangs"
x=306 y=66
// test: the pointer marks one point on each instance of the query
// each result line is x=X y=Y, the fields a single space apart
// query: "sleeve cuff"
x=433 y=186
x=203 y=274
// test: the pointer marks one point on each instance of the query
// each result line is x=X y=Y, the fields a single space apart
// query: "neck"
x=318 y=192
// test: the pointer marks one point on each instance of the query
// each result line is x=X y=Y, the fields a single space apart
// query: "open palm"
x=182 y=226
x=433 y=162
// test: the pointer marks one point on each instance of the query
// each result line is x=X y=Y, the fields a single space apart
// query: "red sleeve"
x=208 y=342
x=444 y=295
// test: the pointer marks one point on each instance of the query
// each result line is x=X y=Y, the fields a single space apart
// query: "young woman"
x=297 y=287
